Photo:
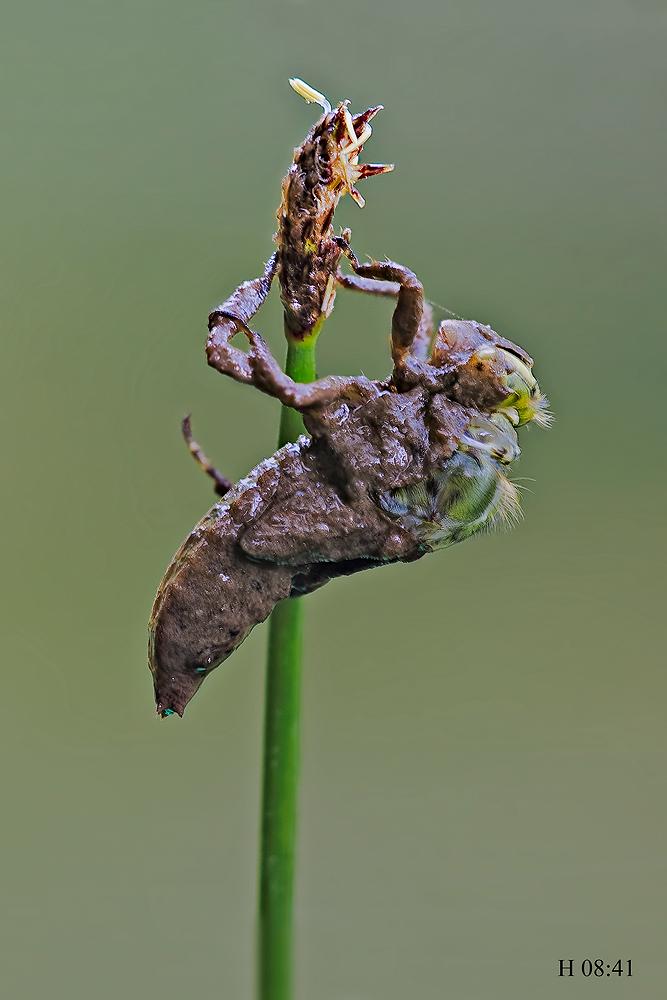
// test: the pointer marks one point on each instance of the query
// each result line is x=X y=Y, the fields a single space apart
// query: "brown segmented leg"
x=232 y=317
x=409 y=310
x=421 y=343
x=258 y=367
x=222 y=485
x=269 y=377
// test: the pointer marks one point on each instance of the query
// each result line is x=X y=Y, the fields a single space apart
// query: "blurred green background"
x=483 y=747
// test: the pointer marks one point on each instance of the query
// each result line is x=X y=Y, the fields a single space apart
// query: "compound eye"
x=525 y=402
x=521 y=372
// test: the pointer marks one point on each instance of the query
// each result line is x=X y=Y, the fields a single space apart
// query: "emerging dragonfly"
x=389 y=469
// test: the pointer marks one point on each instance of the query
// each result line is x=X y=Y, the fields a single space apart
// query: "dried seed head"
x=325 y=167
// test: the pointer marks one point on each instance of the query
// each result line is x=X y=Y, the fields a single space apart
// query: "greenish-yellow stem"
x=281 y=749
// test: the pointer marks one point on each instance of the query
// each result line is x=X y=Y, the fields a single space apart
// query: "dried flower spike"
x=325 y=167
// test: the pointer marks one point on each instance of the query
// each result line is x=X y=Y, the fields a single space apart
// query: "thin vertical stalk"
x=281 y=750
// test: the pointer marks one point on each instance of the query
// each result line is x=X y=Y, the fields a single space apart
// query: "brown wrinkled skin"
x=310 y=516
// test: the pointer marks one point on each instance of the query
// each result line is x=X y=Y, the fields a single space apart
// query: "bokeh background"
x=483 y=741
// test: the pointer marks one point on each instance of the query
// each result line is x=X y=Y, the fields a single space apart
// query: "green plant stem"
x=281 y=749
